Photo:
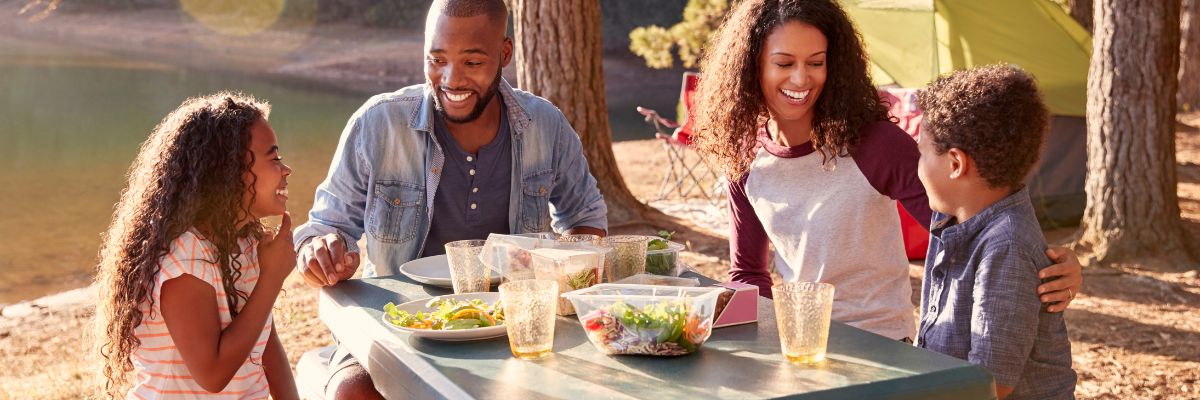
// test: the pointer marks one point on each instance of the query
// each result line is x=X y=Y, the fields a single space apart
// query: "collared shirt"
x=979 y=300
x=388 y=164
x=472 y=195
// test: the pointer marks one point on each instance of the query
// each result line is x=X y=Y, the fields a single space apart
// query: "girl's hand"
x=1068 y=279
x=276 y=257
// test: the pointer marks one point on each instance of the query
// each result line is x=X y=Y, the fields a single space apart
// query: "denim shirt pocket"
x=535 y=200
x=395 y=216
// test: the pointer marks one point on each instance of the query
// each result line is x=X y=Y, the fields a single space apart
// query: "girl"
x=188 y=274
x=786 y=105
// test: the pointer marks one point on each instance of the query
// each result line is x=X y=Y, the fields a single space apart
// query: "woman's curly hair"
x=191 y=172
x=730 y=105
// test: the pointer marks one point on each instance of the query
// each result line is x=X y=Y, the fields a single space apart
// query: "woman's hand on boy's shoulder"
x=1067 y=279
x=276 y=257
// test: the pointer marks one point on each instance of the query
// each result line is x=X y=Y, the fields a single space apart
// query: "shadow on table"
x=495 y=348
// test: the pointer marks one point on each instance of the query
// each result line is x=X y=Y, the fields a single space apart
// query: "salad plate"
x=460 y=313
x=435 y=271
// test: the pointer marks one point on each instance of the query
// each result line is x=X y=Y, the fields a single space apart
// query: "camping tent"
x=911 y=42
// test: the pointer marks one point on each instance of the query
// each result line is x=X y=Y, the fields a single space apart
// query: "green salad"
x=668 y=328
x=662 y=263
x=448 y=314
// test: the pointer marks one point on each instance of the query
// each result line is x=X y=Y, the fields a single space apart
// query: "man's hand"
x=325 y=261
x=1068 y=279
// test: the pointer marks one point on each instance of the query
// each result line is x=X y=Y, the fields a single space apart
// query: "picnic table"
x=740 y=362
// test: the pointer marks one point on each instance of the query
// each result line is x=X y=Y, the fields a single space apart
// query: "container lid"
x=671 y=247
x=659 y=280
x=618 y=291
x=562 y=254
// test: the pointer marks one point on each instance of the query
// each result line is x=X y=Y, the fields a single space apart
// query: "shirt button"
x=472 y=206
x=469 y=158
x=933 y=309
x=437 y=170
x=472 y=172
x=474 y=190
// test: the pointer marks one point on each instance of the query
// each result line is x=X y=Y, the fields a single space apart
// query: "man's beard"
x=481 y=104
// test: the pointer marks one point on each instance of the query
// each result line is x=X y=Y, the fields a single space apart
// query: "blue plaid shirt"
x=979 y=300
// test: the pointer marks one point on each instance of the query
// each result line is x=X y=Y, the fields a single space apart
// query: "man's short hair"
x=994 y=114
x=496 y=10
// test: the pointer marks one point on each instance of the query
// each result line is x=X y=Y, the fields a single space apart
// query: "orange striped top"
x=159 y=369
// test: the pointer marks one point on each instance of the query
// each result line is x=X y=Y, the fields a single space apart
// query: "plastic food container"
x=665 y=261
x=646 y=319
x=573 y=268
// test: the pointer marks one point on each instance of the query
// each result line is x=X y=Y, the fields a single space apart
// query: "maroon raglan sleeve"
x=749 y=246
x=888 y=158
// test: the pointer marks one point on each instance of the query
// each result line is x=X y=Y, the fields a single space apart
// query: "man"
x=459 y=157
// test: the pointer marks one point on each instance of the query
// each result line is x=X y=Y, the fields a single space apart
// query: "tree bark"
x=558 y=54
x=1082 y=11
x=1189 y=56
x=1132 y=212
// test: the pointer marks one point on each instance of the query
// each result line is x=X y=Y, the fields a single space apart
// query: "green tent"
x=911 y=42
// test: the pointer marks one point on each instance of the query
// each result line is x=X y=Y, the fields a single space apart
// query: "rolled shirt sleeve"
x=340 y=200
x=575 y=198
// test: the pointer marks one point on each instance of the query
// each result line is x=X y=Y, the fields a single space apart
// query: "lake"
x=71 y=121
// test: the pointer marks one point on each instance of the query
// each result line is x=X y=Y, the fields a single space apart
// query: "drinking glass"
x=529 y=307
x=628 y=256
x=802 y=312
x=467 y=272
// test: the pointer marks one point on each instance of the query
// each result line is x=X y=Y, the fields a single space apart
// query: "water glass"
x=628 y=256
x=581 y=238
x=467 y=272
x=529 y=307
x=802 y=311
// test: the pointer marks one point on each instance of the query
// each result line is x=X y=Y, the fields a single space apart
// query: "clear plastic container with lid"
x=663 y=261
x=574 y=267
x=646 y=319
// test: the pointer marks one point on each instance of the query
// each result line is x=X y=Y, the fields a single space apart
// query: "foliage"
x=654 y=43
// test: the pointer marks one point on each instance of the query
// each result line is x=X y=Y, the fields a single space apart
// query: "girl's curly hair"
x=730 y=105
x=191 y=172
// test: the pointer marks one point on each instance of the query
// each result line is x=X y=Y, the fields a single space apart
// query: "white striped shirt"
x=159 y=369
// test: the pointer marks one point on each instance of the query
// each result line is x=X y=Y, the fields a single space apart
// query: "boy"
x=982 y=133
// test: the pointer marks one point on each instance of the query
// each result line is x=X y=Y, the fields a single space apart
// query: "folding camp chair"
x=686 y=171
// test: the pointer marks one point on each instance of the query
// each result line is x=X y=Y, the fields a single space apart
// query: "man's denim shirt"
x=388 y=163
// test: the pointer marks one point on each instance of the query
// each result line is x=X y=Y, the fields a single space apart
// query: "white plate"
x=456 y=335
x=434 y=270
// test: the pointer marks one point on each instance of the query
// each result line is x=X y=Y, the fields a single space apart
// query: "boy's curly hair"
x=729 y=101
x=994 y=114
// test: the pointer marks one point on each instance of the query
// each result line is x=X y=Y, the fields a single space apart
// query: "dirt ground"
x=1135 y=332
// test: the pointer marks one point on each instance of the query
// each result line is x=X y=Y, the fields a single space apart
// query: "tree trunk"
x=558 y=57
x=1082 y=11
x=1189 y=56
x=1132 y=212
